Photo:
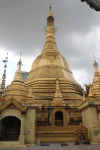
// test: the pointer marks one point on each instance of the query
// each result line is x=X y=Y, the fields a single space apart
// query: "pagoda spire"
x=50 y=14
x=17 y=87
x=58 y=99
x=18 y=74
x=90 y=91
x=96 y=67
x=83 y=95
x=50 y=43
x=2 y=86
x=57 y=93
x=50 y=34
x=50 y=9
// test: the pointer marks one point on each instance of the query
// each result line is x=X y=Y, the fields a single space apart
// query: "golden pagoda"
x=17 y=89
x=49 y=66
x=96 y=81
x=47 y=104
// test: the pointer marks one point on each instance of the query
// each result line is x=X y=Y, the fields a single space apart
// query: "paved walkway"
x=57 y=146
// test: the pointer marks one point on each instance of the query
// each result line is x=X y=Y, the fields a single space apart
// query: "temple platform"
x=56 y=134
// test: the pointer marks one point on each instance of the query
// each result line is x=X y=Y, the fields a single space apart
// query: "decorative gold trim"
x=98 y=108
x=81 y=129
x=14 y=102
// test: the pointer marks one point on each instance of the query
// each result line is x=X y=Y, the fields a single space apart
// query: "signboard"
x=34 y=105
x=28 y=132
x=91 y=103
x=2 y=100
x=96 y=133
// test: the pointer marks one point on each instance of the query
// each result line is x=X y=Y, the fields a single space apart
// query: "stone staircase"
x=56 y=134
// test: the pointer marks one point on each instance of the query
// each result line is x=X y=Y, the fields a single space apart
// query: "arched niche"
x=10 y=128
x=59 y=118
x=10 y=112
x=65 y=116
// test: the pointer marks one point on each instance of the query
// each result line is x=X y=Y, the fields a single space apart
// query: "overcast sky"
x=22 y=24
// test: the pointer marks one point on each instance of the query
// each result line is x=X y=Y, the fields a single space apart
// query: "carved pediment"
x=11 y=106
x=13 y=103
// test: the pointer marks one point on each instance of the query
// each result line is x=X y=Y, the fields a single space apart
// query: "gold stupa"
x=17 y=89
x=96 y=81
x=49 y=66
x=50 y=103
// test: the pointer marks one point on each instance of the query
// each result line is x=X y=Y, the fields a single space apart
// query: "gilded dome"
x=49 y=66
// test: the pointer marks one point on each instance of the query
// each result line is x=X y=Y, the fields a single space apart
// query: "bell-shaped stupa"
x=49 y=66
x=17 y=88
x=96 y=81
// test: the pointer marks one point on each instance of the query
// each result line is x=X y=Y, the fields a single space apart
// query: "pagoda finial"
x=18 y=74
x=2 y=86
x=83 y=95
x=50 y=7
x=20 y=62
x=95 y=64
x=58 y=99
x=90 y=91
x=50 y=14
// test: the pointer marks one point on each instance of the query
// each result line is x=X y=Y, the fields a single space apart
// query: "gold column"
x=22 y=129
x=99 y=128
x=98 y=110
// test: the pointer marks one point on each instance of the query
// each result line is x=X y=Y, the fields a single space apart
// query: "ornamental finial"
x=50 y=14
x=95 y=63
x=50 y=7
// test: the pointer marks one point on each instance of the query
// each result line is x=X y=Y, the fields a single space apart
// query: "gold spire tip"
x=50 y=7
x=95 y=64
x=19 y=62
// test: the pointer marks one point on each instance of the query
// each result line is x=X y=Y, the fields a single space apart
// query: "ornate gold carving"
x=11 y=106
x=52 y=58
x=98 y=108
x=64 y=113
x=15 y=103
x=81 y=130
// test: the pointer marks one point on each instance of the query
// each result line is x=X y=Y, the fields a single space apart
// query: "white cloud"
x=12 y=64
x=82 y=77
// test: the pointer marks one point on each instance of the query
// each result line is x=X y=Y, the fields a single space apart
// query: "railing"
x=9 y=136
x=43 y=123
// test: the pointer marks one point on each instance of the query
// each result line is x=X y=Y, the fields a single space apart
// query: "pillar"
x=68 y=117
x=1 y=136
x=99 y=128
x=0 y=125
x=50 y=117
x=30 y=130
x=22 y=129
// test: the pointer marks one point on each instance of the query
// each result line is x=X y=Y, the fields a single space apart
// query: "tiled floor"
x=57 y=146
